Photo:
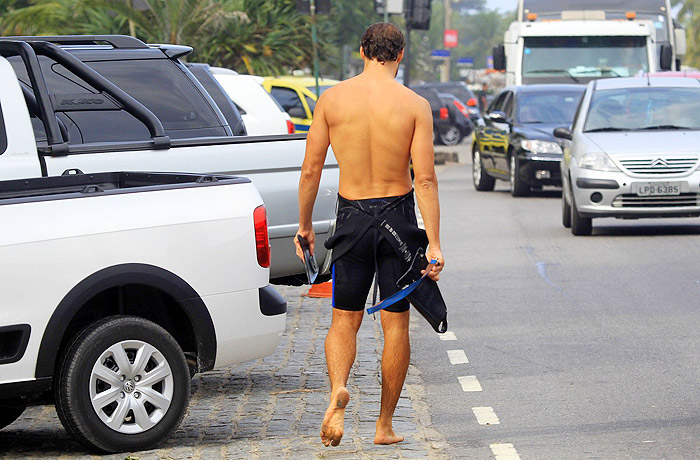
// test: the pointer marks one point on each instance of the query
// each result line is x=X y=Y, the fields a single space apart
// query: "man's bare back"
x=371 y=134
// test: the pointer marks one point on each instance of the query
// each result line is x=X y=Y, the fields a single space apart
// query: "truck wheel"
x=565 y=211
x=482 y=181
x=580 y=226
x=518 y=187
x=10 y=410
x=123 y=385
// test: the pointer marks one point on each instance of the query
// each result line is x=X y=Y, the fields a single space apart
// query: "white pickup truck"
x=118 y=287
x=113 y=103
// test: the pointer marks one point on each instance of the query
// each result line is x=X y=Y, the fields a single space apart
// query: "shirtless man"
x=375 y=126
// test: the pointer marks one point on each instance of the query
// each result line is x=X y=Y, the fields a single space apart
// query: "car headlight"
x=597 y=161
x=541 y=146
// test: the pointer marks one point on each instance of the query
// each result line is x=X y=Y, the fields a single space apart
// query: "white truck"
x=576 y=41
x=113 y=103
x=118 y=287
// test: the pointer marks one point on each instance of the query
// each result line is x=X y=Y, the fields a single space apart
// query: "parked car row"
x=624 y=148
x=451 y=119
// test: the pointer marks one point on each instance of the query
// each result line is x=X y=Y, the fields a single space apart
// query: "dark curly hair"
x=382 y=41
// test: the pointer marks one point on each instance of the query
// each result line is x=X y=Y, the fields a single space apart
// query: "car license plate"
x=658 y=188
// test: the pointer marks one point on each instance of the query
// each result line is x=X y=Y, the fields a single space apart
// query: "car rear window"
x=287 y=98
x=158 y=84
x=3 y=134
x=164 y=89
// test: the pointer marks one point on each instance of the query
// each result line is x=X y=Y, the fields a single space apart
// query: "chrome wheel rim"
x=512 y=172
x=131 y=387
x=476 y=166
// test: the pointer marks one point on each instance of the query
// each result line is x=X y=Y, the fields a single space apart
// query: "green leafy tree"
x=689 y=15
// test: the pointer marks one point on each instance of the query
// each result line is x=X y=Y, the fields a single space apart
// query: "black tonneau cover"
x=553 y=6
x=75 y=184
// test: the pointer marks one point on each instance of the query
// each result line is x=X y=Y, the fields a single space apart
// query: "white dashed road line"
x=504 y=452
x=485 y=416
x=469 y=383
x=449 y=335
x=457 y=357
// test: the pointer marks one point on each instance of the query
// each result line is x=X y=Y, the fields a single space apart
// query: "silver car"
x=633 y=151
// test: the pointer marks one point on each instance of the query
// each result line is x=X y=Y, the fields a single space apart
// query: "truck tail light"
x=444 y=113
x=472 y=102
x=461 y=108
x=262 y=240
x=290 y=127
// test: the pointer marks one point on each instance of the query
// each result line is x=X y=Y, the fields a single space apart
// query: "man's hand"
x=310 y=237
x=435 y=253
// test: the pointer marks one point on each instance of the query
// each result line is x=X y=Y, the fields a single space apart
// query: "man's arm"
x=423 y=157
x=317 y=142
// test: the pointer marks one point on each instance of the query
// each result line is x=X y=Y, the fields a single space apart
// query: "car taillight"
x=290 y=127
x=444 y=113
x=262 y=241
x=472 y=102
x=461 y=108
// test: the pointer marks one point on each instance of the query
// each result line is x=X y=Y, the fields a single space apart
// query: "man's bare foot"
x=332 y=428
x=386 y=436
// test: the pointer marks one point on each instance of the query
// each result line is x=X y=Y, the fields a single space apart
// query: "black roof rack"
x=116 y=41
x=28 y=51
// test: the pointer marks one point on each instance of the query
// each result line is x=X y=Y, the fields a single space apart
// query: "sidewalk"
x=268 y=409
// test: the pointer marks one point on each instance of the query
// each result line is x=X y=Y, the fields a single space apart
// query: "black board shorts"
x=354 y=271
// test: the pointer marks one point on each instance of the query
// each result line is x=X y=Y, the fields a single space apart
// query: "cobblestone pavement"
x=267 y=409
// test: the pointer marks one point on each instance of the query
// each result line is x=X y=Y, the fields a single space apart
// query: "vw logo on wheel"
x=129 y=386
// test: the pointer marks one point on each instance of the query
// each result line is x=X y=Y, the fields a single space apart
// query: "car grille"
x=653 y=166
x=630 y=200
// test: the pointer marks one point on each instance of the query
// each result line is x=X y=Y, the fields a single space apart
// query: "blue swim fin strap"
x=403 y=293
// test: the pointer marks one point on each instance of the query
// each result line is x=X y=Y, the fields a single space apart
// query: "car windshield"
x=549 y=58
x=644 y=109
x=553 y=107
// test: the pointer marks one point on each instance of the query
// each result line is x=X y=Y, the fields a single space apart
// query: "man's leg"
x=340 y=355
x=395 y=358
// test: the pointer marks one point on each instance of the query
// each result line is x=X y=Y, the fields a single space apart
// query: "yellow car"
x=297 y=95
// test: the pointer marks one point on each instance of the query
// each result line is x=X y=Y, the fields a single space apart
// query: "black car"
x=517 y=142
x=462 y=92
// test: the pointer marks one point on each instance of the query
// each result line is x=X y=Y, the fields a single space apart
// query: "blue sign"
x=465 y=62
x=489 y=62
x=440 y=54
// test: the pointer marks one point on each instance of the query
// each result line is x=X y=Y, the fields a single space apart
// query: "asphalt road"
x=577 y=347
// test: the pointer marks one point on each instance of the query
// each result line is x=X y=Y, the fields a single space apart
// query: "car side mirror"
x=498 y=117
x=666 y=57
x=563 y=133
x=297 y=112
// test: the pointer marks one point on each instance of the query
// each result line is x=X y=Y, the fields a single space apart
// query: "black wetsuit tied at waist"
x=392 y=221
x=390 y=217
